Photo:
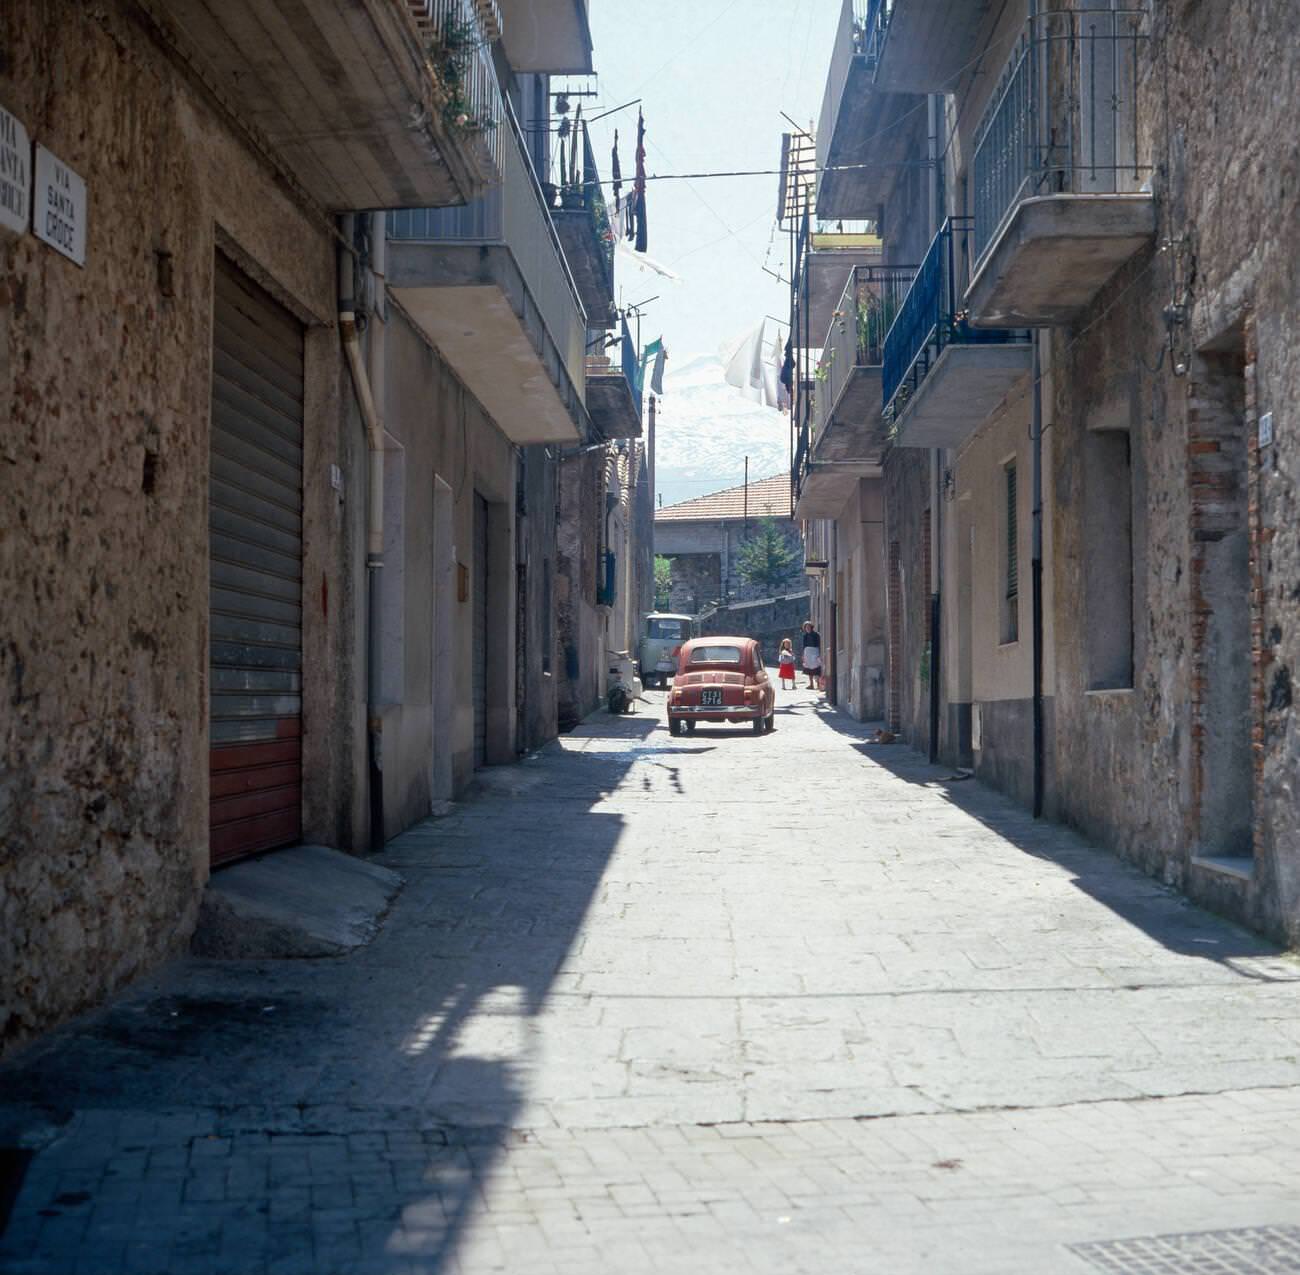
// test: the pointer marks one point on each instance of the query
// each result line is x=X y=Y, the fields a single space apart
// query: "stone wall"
x=1160 y=770
x=104 y=389
x=767 y=619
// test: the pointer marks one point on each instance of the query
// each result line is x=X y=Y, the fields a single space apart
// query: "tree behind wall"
x=663 y=582
x=767 y=560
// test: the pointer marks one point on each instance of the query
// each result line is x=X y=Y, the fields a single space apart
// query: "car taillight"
x=677 y=650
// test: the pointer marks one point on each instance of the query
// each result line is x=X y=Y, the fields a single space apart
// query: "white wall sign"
x=15 y=173
x=1266 y=429
x=59 y=212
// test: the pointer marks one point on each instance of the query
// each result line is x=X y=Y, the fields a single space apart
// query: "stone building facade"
x=283 y=562
x=1090 y=552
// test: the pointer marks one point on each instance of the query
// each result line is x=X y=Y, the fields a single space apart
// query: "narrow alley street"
x=724 y=1003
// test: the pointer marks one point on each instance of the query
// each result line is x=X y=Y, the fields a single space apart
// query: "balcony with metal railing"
x=1061 y=197
x=942 y=378
x=859 y=146
x=582 y=222
x=847 y=436
x=823 y=260
x=490 y=286
x=382 y=104
x=614 y=388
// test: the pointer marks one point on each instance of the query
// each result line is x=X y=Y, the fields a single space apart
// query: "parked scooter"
x=623 y=687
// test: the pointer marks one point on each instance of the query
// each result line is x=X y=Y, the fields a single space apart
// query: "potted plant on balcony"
x=450 y=51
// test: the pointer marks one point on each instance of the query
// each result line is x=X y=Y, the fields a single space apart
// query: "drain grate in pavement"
x=1258 y=1250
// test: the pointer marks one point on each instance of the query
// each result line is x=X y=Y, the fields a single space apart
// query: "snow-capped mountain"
x=704 y=429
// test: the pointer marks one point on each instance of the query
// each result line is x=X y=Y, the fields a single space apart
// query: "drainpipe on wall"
x=366 y=381
x=1036 y=570
x=936 y=500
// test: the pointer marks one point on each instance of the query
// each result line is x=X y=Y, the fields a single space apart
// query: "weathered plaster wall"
x=861 y=613
x=439 y=430
x=580 y=623
x=538 y=719
x=1000 y=665
x=104 y=389
x=907 y=496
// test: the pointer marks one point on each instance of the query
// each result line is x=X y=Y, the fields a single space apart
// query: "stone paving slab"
x=642 y=1005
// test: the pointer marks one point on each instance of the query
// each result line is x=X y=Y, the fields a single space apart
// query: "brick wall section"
x=1261 y=654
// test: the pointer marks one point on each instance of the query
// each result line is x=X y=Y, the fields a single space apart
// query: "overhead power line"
x=769 y=172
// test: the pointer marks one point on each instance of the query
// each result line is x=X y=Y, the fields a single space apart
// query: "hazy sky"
x=713 y=77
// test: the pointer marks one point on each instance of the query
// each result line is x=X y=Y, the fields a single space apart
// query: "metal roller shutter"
x=255 y=557
x=480 y=629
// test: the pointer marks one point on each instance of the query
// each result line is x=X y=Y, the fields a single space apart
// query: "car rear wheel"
x=759 y=725
x=674 y=725
x=769 y=722
x=690 y=727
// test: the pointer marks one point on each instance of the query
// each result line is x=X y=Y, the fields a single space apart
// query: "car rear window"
x=671 y=629
x=715 y=655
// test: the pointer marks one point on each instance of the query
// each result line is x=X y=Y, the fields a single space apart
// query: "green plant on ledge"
x=450 y=52
x=875 y=315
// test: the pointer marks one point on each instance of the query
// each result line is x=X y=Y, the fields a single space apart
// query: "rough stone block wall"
x=768 y=619
x=1226 y=260
x=696 y=582
x=104 y=393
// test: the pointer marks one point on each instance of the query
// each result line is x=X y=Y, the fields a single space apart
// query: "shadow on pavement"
x=1158 y=910
x=371 y=1093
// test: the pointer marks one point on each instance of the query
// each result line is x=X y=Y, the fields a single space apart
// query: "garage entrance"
x=255 y=571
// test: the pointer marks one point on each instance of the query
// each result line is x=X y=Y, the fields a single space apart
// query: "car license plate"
x=711 y=698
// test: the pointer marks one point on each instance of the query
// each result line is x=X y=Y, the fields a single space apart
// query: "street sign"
x=59 y=215
x=1266 y=429
x=15 y=173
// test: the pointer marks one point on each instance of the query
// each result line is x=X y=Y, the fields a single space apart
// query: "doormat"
x=13 y=1168
x=1257 y=1250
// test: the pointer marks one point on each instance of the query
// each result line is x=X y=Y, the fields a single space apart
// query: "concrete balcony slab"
x=853 y=429
x=961 y=391
x=552 y=36
x=928 y=43
x=827 y=487
x=614 y=409
x=475 y=306
x=347 y=95
x=1053 y=255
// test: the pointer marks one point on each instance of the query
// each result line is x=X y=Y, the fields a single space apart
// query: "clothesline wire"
x=766 y=172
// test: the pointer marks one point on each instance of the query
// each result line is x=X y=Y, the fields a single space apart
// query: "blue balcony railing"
x=929 y=320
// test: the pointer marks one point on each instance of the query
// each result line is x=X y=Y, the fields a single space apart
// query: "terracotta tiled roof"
x=768 y=498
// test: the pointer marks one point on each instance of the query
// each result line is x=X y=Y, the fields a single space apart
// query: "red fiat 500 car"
x=721 y=679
